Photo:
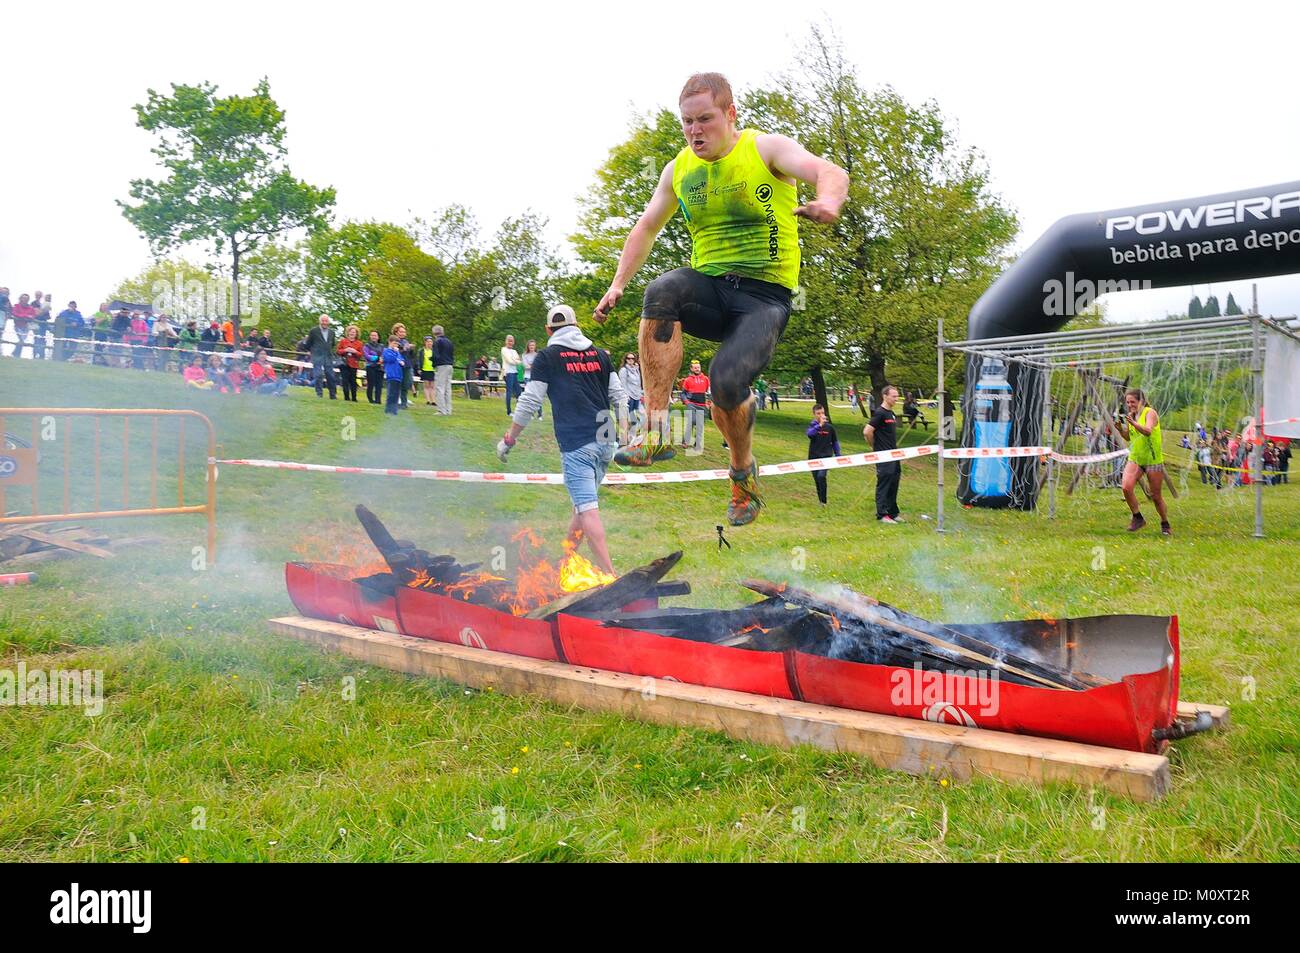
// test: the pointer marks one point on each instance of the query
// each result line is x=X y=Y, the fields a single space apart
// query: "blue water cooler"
x=991 y=477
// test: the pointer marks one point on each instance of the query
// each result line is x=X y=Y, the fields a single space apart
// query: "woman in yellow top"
x=736 y=189
x=1141 y=427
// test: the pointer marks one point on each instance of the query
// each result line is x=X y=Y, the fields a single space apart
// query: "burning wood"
x=860 y=618
x=540 y=589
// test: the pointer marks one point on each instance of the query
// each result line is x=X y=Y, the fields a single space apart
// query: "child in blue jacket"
x=394 y=368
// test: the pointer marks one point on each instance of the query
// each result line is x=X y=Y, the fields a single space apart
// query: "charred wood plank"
x=602 y=600
x=864 y=609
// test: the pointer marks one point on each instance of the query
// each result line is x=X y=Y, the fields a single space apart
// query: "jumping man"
x=736 y=190
x=1141 y=427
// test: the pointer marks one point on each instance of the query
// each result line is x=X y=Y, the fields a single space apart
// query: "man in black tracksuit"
x=881 y=431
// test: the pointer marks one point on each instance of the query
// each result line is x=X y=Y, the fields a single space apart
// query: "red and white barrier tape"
x=1284 y=420
x=685 y=476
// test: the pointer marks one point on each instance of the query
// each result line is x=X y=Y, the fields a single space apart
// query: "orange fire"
x=538 y=581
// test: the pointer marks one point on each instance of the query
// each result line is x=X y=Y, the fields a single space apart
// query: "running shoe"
x=745 y=501
x=645 y=453
x=1137 y=523
x=888 y=521
x=1166 y=530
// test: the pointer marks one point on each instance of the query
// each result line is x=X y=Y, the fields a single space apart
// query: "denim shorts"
x=584 y=468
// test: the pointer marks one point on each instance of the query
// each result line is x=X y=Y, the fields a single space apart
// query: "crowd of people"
x=1226 y=454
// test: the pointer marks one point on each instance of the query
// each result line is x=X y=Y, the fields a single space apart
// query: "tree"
x=1195 y=309
x=334 y=262
x=1211 y=308
x=176 y=287
x=617 y=197
x=227 y=181
x=1232 y=307
x=921 y=234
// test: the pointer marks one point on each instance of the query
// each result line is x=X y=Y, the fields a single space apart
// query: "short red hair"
x=715 y=84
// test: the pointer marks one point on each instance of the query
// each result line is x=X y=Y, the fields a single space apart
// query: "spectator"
x=1284 y=460
x=138 y=337
x=629 y=375
x=1204 y=462
x=6 y=310
x=261 y=376
x=494 y=374
x=695 y=391
x=407 y=347
x=510 y=364
x=321 y=344
x=760 y=388
x=23 y=314
x=165 y=337
x=302 y=377
x=528 y=357
x=188 y=341
x=394 y=373
x=210 y=337
x=823 y=442
x=235 y=373
x=444 y=355
x=373 y=352
x=773 y=396
x=881 y=433
x=228 y=334
x=353 y=354
x=101 y=323
x=481 y=369
x=195 y=376
x=424 y=367
x=41 y=324
x=217 y=373
x=70 y=326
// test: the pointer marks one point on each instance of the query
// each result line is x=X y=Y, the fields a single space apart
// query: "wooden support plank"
x=900 y=744
x=64 y=543
x=1187 y=711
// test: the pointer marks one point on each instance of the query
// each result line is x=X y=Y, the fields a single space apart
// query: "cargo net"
x=1065 y=391
x=1203 y=401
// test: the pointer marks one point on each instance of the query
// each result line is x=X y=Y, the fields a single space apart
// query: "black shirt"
x=577 y=382
x=883 y=436
x=822 y=442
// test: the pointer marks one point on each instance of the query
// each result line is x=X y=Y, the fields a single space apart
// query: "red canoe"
x=1139 y=654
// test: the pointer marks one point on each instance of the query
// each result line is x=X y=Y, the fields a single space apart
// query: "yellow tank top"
x=739 y=214
x=1145 y=450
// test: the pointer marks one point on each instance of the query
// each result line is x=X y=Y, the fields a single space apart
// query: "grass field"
x=220 y=741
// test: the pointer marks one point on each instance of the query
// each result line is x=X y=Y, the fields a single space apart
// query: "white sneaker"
x=887 y=519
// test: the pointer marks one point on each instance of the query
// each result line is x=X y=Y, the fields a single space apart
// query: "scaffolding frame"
x=1242 y=336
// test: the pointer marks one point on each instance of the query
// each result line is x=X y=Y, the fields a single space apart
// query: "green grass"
x=207 y=710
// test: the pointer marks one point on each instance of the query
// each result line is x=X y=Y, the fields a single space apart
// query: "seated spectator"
x=195 y=376
x=261 y=376
x=303 y=377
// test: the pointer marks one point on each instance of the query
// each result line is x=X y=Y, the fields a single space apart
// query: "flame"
x=578 y=574
x=751 y=628
x=538 y=581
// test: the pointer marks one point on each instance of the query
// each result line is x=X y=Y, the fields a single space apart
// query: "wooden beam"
x=899 y=744
x=1187 y=711
x=64 y=543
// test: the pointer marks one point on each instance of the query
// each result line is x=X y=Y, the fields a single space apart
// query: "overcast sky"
x=510 y=106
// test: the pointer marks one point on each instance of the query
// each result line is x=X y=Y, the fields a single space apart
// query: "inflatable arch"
x=1252 y=233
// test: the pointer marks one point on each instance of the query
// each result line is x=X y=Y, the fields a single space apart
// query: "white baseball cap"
x=561 y=316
